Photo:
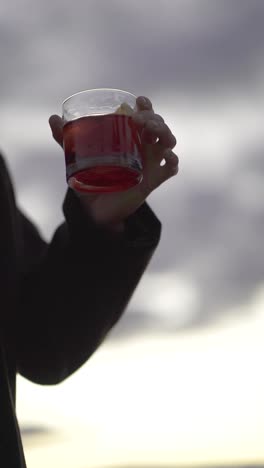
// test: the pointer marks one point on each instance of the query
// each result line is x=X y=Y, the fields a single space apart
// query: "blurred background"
x=179 y=381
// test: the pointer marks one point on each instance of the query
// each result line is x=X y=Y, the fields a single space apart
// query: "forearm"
x=71 y=300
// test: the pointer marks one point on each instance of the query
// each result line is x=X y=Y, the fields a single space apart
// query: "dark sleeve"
x=73 y=290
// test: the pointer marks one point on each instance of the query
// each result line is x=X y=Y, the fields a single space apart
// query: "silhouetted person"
x=59 y=300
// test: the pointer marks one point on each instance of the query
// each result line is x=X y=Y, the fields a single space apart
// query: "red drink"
x=103 y=152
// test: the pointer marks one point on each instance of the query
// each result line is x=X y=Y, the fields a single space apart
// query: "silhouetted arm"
x=73 y=290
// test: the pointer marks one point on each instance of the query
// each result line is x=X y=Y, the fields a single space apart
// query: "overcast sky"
x=201 y=63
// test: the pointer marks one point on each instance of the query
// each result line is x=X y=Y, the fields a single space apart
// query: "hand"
x=157 y=143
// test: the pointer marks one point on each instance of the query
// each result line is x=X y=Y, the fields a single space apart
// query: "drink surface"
x=103 y=152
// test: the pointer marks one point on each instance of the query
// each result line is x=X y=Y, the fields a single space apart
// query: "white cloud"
x=168 y=297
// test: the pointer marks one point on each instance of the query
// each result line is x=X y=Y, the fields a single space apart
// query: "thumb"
x=56 y=125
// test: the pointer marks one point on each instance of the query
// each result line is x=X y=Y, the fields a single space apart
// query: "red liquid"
x=103 y=152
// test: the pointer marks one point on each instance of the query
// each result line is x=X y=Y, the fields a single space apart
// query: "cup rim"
x=96 y=89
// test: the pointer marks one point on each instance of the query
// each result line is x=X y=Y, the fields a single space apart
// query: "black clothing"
x=59 y=299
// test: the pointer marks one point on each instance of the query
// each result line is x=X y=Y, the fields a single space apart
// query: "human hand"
x=157 y=142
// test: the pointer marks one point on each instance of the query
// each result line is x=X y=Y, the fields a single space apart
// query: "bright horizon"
x=195 y=398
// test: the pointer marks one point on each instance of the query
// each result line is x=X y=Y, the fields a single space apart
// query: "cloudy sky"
x=201 y=63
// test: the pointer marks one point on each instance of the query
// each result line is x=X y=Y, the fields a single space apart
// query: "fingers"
x=154 y=130
x=152 y=126
x=171 y=166
x=56 y=125
x=143 y=103
x=171 y=159
x=141 y=118
x=163 y=157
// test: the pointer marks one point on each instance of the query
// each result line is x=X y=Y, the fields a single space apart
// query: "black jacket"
x=59 y=300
